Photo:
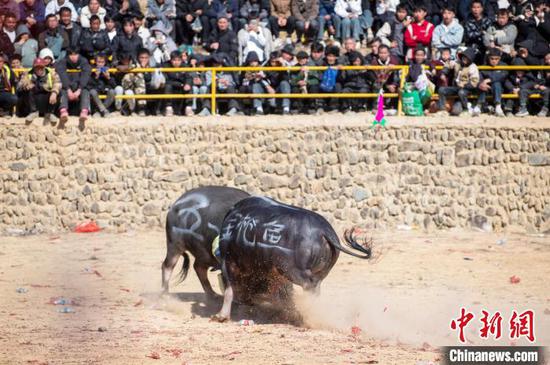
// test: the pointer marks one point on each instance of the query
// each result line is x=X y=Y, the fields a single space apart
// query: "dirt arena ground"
x=400 y=303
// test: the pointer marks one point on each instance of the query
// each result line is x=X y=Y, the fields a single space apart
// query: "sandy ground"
x=402 y=302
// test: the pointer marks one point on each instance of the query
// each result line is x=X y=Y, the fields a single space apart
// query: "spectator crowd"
x=68 y=46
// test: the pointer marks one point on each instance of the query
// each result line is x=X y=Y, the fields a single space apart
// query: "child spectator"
x=466 y=81
x=449 y=33
x=94 y=40
x=93 y=8
x=103 y=83
x=176 y=83
x=75 y=85
x=492 y=81
x=418 y=32
x=26 y=46
x=305 y=13
x=348 y=12
x=520 y=83
x=8 y=99
x=39 y=89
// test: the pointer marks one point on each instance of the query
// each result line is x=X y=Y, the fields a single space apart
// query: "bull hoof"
x=219 y=318
x=213 y=298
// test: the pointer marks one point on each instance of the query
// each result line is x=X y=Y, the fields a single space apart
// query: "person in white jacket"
x=348 y=11
x=254 y=38
x=448 y=34
x=54 y=5
x=93 y=8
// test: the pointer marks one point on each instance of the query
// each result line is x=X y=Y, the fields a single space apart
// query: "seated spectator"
x=39 y=90
x=278 y=83
x=332 y=105
x=8 y=99
x=543 y=86
x=252 y=9
x=199 y=85
x=93 y=8
x=305 y=13
x=542 y=19
x=348 y=12
x=47 y=55
x=154 y=81
x=224 y=40
x=32 y=14
x=94 y=40
x=122 y=9
x=349 y=46
x=142 y=31
x=373 y=55
x=26 y=46
x=163 y=10
x=72 y=28
x=129 y=83
x=127 y=42
x=419 y=32
x=160 y=44
x=386 y=80
x=54 y=6
x=287 y=56
x=465 y=83
x=281 y=17
x=492 y=81
x=354 y=81
x=110 y=28
x=102 y=83
x=6 y=46
x=225 y=84
x=327 y=19
x=54 y=37
x=302 y=82
x=75 y=85
x=192 y=25
x=254 y=82
x=254 y=37
x=476 y=25
x=520 y=83
x=436 y=8
x=10 y=26
x=530 y=35
x=501 y=35
x=385 y=12
x=317 y=53
x=228 y=9
x=10 y=7
x=392 y=31
x=177 y=83
x=16 y=63
x=449 y=33
x=445 y=76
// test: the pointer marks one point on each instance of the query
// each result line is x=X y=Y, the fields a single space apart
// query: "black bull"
x=267 y=246
x=192 y=223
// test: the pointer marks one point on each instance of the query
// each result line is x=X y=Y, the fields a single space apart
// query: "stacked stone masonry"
x=127 y=176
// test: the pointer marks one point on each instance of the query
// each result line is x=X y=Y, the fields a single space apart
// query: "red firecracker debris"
x=514 y=279
x=355 y=330
x=153 y=355
x=87 y=227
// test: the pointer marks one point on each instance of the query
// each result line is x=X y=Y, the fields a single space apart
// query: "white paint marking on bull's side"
x=275 y=203
x=272 y=232
x=214 y=228
x=246 y=225
x=189 y=217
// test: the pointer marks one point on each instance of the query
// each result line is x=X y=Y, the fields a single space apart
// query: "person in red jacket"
x=419 y=32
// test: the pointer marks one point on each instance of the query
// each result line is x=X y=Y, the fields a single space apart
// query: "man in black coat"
x=127 y=41
x=223 y=40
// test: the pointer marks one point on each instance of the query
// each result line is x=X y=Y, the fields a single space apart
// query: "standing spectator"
x=466 y=81
x=75 y=85
x=163 y=10
x=476 y=25
x=254 y=37
x=26 y=46
x=39 y=89
x=392 y=32
x=279 y=82
x=492 y=81
x=8 y=99
x=281 y=17
x=501 y=35
x=386 y=80
x=101 y=82
x=522 y=84
x=32 y=14
x=419 y=32
x=449 y=33
x=10 y=26
x=10 y=7
x=176 y=83
x=54 y=37
x=305 y=12
x=327 y=19
x=94 y=40
x=224 y=40
x=93 y=8
x=348 y=11
x=54 y=6
x=127 y=42
x=71 y=27
x=160 y=44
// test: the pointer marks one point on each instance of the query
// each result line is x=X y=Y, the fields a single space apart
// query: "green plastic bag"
x=425 y=96
x=411 y=103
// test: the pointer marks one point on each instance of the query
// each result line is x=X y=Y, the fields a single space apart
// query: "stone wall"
x=432 y=176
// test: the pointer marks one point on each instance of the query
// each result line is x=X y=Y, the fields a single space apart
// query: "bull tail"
x=352 y=243
x=184 y=268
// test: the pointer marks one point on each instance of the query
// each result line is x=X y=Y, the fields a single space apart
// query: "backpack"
x=328 y=81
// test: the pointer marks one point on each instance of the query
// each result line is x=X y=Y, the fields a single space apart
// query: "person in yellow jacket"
x=7 y=86
x=40 y=88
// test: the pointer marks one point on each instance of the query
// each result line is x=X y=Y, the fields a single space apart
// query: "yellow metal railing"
x=215 y=95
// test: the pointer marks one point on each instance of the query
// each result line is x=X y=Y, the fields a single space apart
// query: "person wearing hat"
x=8 y=99
x=39 y=89
x=47 y=55
x=278 y=82
x=521 y=83
x=492 y=81
x=287 y=55
x=75 y=85
x=223 y=40
x=26 y=46
x=465 y=83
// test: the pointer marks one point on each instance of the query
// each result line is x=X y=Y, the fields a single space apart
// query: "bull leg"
x=168 y=266
x=202 y=273
x=224 y=314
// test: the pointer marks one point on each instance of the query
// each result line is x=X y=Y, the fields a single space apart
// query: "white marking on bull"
x=246 y=225
x=272 y=232
x=214 y=228
x=189 y=217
